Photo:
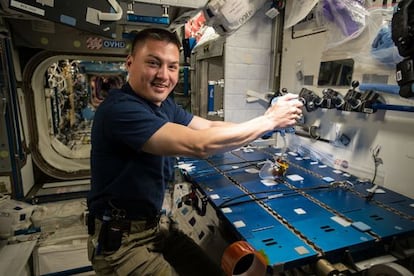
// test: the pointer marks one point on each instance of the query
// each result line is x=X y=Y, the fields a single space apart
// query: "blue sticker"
x=68 y=20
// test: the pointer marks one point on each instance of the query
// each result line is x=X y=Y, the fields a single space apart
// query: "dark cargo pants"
x=158 y=251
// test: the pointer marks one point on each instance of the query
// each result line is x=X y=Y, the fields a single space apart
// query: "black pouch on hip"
x=110 y=236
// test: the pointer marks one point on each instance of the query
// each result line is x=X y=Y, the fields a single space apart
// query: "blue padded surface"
x=264 y=232
x=296 y=217
x=383 y=222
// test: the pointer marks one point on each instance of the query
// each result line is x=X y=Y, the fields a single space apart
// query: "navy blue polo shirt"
x=122 y=175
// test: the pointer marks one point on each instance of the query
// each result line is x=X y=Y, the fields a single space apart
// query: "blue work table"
x=312 y=211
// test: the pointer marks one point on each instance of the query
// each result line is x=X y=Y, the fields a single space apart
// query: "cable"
x=228 y=203
x=377 y=162
x=257 y=199
x=235 y=168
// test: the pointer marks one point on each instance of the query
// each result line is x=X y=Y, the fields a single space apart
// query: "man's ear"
x=128 y=61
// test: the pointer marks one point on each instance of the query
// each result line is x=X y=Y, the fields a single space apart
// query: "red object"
x=194 y=26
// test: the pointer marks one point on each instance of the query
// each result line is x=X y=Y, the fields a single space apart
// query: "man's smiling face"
x=153 y=69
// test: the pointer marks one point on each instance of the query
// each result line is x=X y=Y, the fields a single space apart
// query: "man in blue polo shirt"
x=135 y=130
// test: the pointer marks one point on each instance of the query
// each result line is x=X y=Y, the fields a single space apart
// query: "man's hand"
x=285 y=111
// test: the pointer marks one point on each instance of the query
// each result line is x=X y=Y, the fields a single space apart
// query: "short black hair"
x=157 y=34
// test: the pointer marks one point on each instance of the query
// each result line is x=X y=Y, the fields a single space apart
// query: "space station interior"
x=332 y=195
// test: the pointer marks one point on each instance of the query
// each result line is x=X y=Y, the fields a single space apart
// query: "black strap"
x=91 y=224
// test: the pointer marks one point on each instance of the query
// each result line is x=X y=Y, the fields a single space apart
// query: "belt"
x=142 y=225
x=132 y=226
